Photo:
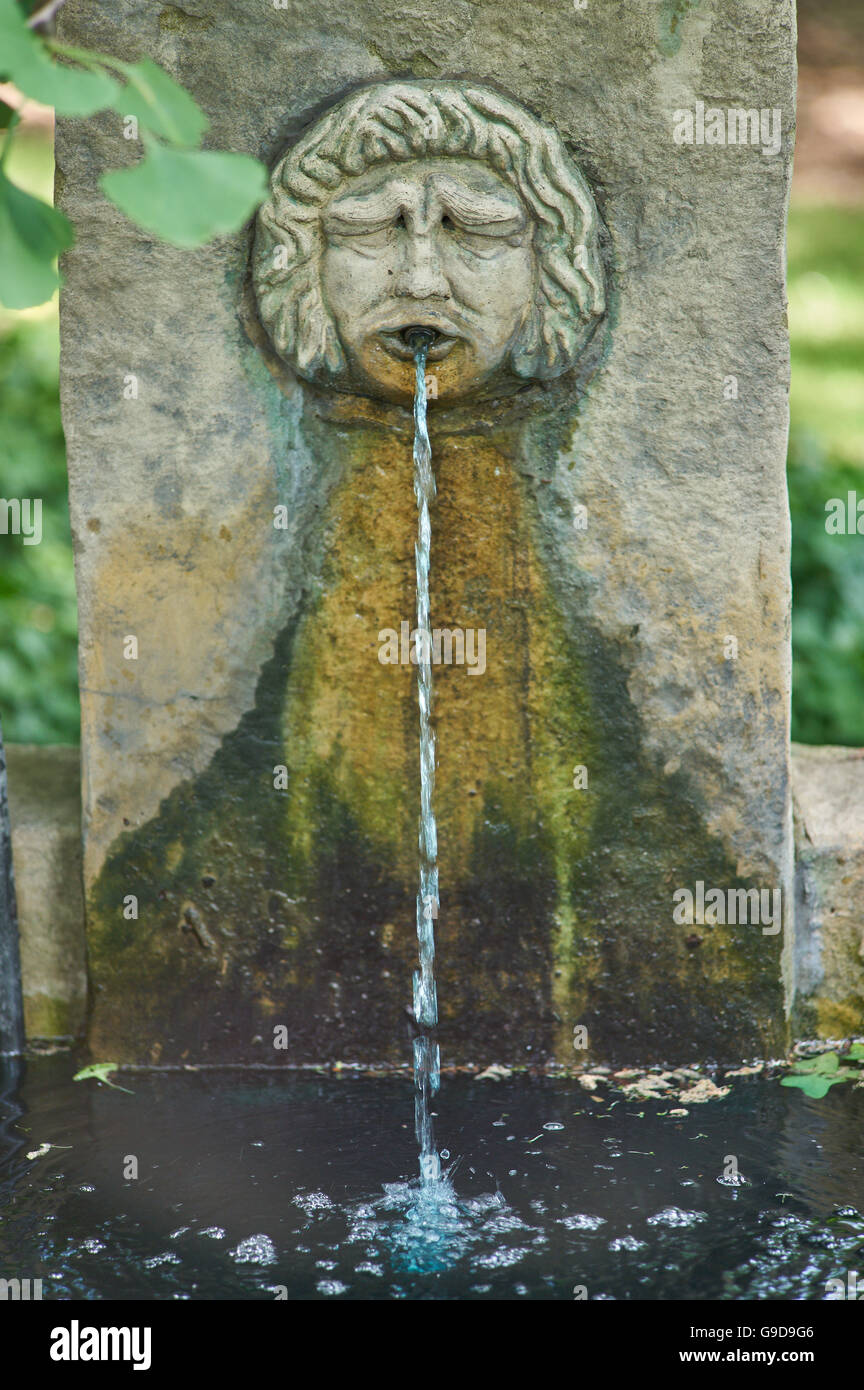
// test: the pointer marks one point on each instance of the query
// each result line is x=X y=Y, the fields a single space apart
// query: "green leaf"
x=32 y=235
x=100 y=1071
x=856 y=1052
x=160 y=104
x=6 y=114
x=70 y=91
x=187 y=197
x=816 y=1086
x=823 y=1065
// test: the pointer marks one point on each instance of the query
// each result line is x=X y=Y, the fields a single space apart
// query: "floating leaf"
x=160 y=104
x=71 y=91
x=100 y=1071
x=32 y=235
x=187 y=197
x=822 y=1065
x=855 y=1053
x=814 y=1085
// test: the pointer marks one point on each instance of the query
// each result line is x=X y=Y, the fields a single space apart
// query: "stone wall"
x=829 y=840
x=45 y=810
x=828 y=788
x=650 y=647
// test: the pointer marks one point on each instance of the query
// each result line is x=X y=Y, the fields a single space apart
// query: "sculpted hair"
x=395 y=122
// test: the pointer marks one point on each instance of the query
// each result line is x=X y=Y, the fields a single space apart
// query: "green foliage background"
x=38 y=689
x=826 y=459
x=38 y=614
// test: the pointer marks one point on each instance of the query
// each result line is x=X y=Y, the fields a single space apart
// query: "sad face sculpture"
x=437 y=206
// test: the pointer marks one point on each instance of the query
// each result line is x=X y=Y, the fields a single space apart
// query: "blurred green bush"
x=826 y=460
x=827 y=601
x=38 y=615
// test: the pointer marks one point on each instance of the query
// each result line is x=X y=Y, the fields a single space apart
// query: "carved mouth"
x=403 y=342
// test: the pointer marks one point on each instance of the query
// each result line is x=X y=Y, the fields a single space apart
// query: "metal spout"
x=418 y=337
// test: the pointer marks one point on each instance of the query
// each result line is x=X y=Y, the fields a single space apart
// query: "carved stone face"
x=439 y=205
x=443 y=244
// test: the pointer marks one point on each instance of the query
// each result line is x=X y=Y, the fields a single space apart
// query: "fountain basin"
x=553 y=1193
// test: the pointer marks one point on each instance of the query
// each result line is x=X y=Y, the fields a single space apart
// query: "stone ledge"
x=45 y=813
x=828 y=795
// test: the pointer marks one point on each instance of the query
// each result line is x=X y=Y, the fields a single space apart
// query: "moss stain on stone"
x=556 y=903
x=671 y=24
x=173 y=19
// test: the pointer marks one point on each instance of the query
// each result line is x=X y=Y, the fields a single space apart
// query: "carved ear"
x=318 y=351
x=290 y=303
x=569 y=303
x=550 y=341
x=526 y=355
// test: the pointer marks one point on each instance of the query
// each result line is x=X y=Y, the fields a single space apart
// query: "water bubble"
x=677 y=1216
x=312 y=1201
x=582 y=1222
x=166 y=1258
x=92 y=1245
x=445 y=1153
x=553 y=1124
x=258 y=1250
x=502 y=1258
x=626 y=1243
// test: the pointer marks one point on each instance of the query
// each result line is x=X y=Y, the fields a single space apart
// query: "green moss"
x=175 y=20
x=296 y=906
x=671 y=24
x=45 y=1017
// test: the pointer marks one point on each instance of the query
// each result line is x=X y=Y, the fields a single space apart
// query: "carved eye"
x=447 y=224
x=475 y=243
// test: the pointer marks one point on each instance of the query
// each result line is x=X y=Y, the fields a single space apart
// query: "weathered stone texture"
x=45 y=809
x=11 y=1011
x=258 y=647
x=828 y=787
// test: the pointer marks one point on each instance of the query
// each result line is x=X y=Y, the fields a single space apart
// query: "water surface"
x=304 y=1185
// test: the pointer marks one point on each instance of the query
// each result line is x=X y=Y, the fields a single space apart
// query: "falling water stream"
x=427 y=1061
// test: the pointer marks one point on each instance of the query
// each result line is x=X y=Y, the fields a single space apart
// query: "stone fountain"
x=583 y=207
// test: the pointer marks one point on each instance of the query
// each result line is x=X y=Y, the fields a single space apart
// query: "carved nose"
x=420 y=275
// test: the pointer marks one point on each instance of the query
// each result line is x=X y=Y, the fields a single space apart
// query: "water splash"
x=427 y=1057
